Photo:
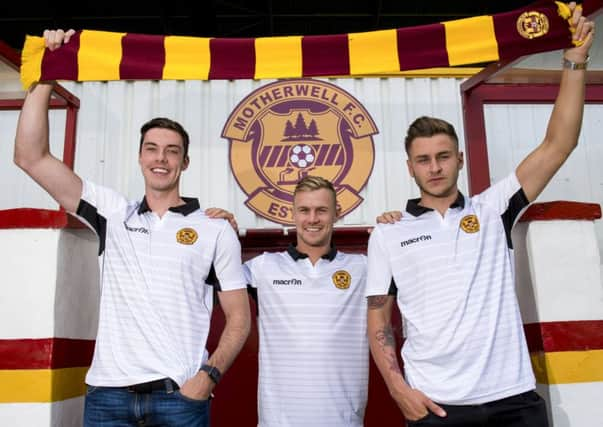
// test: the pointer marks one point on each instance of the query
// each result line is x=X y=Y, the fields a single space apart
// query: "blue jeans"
x=119 y=407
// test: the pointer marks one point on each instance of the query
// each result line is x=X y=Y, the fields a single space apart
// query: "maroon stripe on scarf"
x=232 y=58
x=62 y=63
x=511 y=44
x=422 y=47
x=325 y=55
x=143 y=57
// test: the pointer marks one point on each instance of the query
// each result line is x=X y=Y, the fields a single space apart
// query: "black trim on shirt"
x=253 y=293
x=97 y=221
x=144 y=207
x=294 y=253
x=393 y=289
x=190 y=205
x=517 y=203
x=297 y=255
x=212 y=279
x=459 y=202
x=415 y=209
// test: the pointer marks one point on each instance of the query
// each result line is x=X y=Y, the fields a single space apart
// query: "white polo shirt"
x=313 y=356
x=155 y=304
x=456 y=293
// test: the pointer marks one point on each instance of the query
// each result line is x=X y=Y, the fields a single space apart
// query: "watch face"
x=576 y=65
x=212 y=372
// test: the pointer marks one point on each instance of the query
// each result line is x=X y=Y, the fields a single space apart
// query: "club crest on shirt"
x=531 y=25
x=341 y=279
x=470 y=224
x=186 y=236
x=286 y=130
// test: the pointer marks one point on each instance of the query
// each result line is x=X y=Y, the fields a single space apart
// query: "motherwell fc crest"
x=470 y=224
x=186 y=236
x=531 y=25
x=289 y=129
x=341 y=279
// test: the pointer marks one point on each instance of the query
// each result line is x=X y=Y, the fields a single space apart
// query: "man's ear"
x=461 y=159
x=185 y=162
x=411 y=172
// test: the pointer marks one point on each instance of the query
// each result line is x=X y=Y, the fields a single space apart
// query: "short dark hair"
x=428 y=126
x=164 y=123
x=312 y=183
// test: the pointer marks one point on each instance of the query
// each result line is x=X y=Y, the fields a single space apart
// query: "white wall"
x=111 y=115
x=513 y=131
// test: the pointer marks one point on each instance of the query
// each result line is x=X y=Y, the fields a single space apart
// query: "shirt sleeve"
x=227 y=260
x=104 y=199
x=508 y=200
x=249 y=269
x=379 y=272
x=504 y=195
x=96 y=204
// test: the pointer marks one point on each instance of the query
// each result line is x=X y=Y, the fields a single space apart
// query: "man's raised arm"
x=563 y=129
x=32 y=152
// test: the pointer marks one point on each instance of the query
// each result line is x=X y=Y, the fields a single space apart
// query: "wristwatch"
x=571 y=65
x=212 y=372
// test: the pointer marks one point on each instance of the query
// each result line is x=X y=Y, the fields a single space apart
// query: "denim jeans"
x=119 y=407
x=522 y=410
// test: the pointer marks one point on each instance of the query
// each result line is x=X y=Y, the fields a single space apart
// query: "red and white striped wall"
x=48 y=317
x=561 y=299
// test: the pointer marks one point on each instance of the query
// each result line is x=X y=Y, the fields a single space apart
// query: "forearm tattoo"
x=385 y=337
x=376 y=301
x=387 y=342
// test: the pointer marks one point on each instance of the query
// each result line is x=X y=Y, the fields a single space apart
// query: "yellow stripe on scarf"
x=375 y=47
x=31 y=58
x=278 y=56
x=471 y=41
x=186 y=58
x=99 y=55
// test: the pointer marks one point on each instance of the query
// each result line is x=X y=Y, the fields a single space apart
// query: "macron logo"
x=136 y=229
x=287 y=282
x=422 y=238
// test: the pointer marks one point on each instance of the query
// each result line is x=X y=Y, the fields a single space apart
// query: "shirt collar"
x=190 y=205
x=414 y=208
x=297 y=255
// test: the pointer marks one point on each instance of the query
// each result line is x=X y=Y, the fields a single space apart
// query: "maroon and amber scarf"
x=100 y=56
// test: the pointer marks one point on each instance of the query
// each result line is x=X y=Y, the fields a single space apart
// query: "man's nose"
x=434 y=165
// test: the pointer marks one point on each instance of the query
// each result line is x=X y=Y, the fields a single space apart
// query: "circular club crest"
x=186 y=236
x=286 y=130
x=531 y=25
x=341 y=279
x=470 y=224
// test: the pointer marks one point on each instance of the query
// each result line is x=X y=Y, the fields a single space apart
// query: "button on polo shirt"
x=456 y=292
x=313 y=352
x=155 y=304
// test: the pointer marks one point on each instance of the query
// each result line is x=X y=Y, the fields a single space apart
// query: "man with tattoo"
x=465 y=357
x=313 y=356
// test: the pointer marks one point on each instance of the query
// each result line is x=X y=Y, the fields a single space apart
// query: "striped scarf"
x=102 y=56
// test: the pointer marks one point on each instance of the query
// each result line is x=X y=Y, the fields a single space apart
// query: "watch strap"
x=212 y=372
x=571 y=65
